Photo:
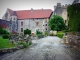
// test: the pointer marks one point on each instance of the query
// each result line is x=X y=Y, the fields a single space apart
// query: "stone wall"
x=8 y=50
x=74 y=40
x=32 y=25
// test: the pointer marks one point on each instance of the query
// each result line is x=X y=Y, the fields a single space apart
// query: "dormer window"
x=14 y=18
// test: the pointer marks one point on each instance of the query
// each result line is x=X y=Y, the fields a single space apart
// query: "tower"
x=75 y=1
x=13 y=23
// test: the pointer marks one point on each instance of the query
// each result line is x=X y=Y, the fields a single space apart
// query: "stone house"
x=31 y=19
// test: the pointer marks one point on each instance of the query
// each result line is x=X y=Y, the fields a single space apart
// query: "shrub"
x=38 y=32
x=30 y=43
x=45 y=33
x=5 y=36
x=60 y=34
x=3 y=31
x=27 y=31
x=40 y=36
x=19 y=43
x=25 y=45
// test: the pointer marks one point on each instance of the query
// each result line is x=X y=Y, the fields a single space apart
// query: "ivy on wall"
x=74 y=17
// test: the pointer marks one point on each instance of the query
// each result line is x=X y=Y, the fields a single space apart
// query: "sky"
x=28 y=4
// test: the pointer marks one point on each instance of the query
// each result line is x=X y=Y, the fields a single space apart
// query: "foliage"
x=45 y=33
x=38 y=32
x=4 y=43
x=57 y=23
x=3 y=31
x=5 y=36
x=24 y=44
x=40 y=36
x=19 y=43
x=27 y=31
x=60 y=34
x=30 y=43
x=74 y=17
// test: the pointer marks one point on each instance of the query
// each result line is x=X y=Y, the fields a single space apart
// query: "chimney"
x=54 y=7
x=42 y=8
x=31 y=9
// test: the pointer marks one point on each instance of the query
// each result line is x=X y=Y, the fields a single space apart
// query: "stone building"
x=61 y=10
x=31 y=19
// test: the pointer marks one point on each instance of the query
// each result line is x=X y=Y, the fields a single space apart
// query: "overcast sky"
x=28 y=4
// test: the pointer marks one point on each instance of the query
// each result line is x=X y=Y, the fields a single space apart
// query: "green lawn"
x=60 y=34
x=4 y=43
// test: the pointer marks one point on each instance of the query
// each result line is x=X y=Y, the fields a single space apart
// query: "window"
x=21 y=23
x=38 y=29
x=65 y=21
x=37 y=23
x=46 y=28
x=14 y=18
x=21 y=29
x=46 y=24
x=11 y=18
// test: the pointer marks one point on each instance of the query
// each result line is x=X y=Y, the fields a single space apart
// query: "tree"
x=57 y=23
x=27 y=31
x=74 y=17
x=3 y=31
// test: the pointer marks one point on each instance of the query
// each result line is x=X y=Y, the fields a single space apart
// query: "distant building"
x=31 y=19
x=61 y=10
x=4 y=24
x=76 y=1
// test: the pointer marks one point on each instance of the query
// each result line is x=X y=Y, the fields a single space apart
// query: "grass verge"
x=4 y=43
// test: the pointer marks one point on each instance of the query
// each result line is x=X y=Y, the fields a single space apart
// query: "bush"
x=25 y=45
x=66 y=31
x=60 y=34
x=27 y=31
x=30 y=43
x=19 y=43
x=38 y=32
x=3 y=31
x=40 y=36
x=5 y=36
x=45 y=33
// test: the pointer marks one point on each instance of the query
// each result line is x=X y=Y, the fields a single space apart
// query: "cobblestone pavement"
x=49 y=48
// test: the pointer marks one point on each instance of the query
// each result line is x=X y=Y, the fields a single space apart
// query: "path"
x=49 y=48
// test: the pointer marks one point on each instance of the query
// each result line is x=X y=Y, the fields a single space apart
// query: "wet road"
x=49 y=48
